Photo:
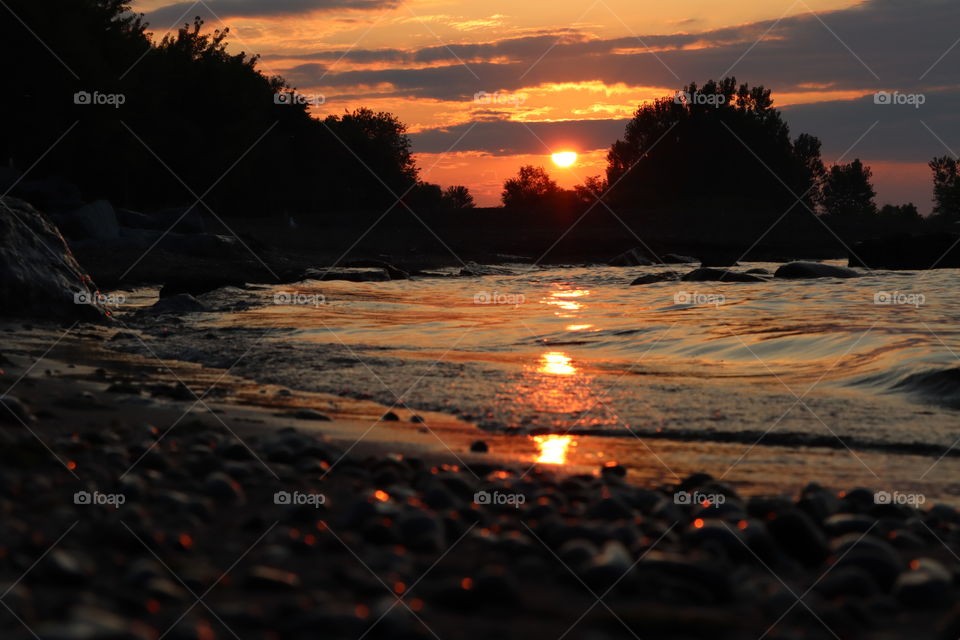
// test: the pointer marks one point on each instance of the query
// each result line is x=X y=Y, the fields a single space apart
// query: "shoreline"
x=606 y=529
x=146 y=385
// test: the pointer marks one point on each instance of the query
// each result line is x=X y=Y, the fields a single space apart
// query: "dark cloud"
x=503 y=137
x=877 y=44
x=173 y=14
x=897 y=133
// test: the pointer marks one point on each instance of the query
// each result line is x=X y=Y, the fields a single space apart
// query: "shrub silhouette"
x=195 y=118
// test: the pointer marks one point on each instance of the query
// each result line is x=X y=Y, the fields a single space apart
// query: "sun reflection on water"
x=566 y=300
x=552 y=449
x=556 y=363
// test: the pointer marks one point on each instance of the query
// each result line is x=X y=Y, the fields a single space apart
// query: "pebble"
x=310 y=414
x=926 y=583
x=15 y=412
x=269 y=578
x=479 y=446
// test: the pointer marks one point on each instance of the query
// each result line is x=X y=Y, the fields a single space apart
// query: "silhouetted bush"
x=195 y=120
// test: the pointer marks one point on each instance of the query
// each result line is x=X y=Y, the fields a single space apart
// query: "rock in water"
x=631 y=258
x=180 y=303
x=805 y=270
x=39 y=277
x=94 y=221
x=704 y=274
x=676 y=258
x=350 y=274
x=650 y=278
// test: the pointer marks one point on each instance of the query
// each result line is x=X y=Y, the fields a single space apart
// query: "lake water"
x=857 y=378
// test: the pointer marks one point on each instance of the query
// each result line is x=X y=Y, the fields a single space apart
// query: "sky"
x=489 y=85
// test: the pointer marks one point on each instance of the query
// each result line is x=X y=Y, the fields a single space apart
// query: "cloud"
x=214 y=10
x=876 y=44
x=505 y=137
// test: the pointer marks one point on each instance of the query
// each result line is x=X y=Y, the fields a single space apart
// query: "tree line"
x=724 y=147
x=94 y=99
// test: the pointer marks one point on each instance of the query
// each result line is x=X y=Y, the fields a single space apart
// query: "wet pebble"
x=479 y=446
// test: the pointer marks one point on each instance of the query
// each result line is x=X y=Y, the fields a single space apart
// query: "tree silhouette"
x=719 y=143
x=848 y=192
x=532 y=188
x=946 y=188
x=194 y=114
x=458 y=197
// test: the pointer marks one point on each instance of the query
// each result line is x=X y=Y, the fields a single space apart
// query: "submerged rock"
x=806 y=270
x=474 y=269
x=180 y=303
x=350 y=274
x=650 y=278
x=631 y=258
x=705 y=274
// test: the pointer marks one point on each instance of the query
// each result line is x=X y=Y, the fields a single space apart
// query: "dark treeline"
x=187 y=103
x=719 y=161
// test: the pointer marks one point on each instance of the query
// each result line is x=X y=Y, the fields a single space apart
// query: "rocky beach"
x=146 y=497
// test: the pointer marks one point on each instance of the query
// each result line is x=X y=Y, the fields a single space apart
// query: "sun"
x=564 y=158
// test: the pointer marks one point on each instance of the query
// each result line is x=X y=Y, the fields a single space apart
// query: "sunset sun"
x=565 y=158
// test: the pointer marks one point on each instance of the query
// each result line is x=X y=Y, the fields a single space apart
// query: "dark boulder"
x=39 y=277
x=631 y=258
x=395 y=273
x=650 y=278
x=720 y=275
x=473 y=269
x=94 y=221
x=807 y=270
x=52 y=195
x=180 y=303
x=350 y=274
x=676 y=258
